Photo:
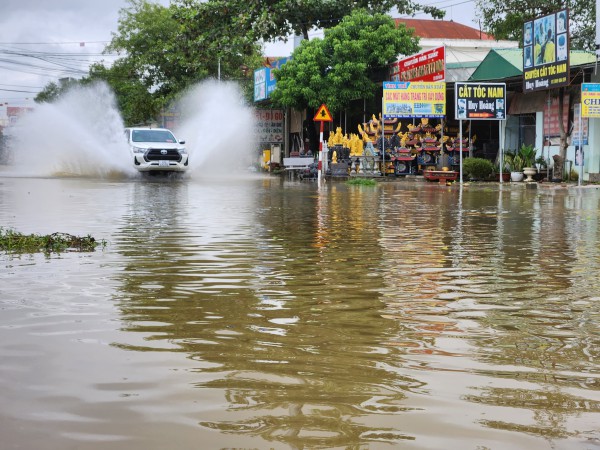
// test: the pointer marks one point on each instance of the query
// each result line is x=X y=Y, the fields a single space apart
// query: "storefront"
x=533 y=117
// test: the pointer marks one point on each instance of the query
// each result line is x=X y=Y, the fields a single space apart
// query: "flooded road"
x=260 y=312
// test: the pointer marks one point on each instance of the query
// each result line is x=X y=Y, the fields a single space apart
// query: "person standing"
x=549 y=49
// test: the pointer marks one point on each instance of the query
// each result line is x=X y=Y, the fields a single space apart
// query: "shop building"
x=533 y=117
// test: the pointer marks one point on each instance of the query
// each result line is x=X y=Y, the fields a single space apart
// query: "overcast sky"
x=44 y=40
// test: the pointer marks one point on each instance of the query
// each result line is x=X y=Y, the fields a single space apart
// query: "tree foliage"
x=272 y=19
x=504 y=18
x=343 y=65
x=52 y=91
x=145 y=39
x=136 y=103
x=164 y=50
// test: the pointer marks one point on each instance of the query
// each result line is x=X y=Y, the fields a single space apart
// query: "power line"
x=449 y=6
x=49 y=64
x=20 y=85
x=54 y=43
x=15 y=90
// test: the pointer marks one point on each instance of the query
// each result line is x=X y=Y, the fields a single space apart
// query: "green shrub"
x=361 y=182
x=478 y=168
x=574 y=175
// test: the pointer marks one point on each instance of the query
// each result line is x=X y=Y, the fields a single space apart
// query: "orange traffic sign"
x=323 y=114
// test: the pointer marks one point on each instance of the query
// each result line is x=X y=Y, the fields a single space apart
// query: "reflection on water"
x=263 y=313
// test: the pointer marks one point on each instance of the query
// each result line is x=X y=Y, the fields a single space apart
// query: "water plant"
x=12 y=241
x=361 y=182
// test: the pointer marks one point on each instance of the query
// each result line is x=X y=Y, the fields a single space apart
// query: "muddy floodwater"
x=261 y=312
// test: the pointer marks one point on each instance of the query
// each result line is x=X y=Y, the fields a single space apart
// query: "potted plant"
x=527 y=153
x=541 y=163
x=514 y=162
x=542 y=167
x=496 y=172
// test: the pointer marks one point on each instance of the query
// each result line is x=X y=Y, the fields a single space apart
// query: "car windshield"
x=152 y=136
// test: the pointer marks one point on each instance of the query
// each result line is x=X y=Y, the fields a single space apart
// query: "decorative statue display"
x=388 y=147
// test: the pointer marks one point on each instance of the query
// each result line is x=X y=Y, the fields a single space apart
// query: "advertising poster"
x=480 y=101
x=580 y=127
x=429 y=65
x=551 y=117
x=546 y=52
x=579 y=156
x=414 y=99
x=269 y=125
x=264 y=80
x=590 y=100
x=260 y=83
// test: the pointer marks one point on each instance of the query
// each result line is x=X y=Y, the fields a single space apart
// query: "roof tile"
x=443 y=29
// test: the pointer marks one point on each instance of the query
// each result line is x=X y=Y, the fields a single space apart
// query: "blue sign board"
x=264 y=80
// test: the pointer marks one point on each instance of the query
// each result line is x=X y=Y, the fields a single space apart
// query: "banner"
x=414 y=99
x=260 y=83
x=576 y=133
x=590 y=100
x=264 y=80
x=269 y=125
x=546 y=52
x=551 y=118
x=429 y=65
x=480 y=101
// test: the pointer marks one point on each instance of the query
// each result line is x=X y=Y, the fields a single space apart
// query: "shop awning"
x=527 y=103
x=499 y=64
x=504 y=63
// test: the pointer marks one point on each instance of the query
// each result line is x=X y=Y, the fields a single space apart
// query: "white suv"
x=156 y=149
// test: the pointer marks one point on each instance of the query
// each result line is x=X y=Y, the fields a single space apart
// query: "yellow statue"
x=363 y=134
x=356 y=145
x=331 y=139
x=339 y=137
x=345 y=142
x=336 y=138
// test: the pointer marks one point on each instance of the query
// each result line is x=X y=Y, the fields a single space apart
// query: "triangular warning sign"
x=323 y=114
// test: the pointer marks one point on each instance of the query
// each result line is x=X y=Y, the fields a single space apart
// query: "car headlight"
x=138 y=149
x=182 y=151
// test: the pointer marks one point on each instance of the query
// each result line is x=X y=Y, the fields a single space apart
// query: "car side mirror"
x=182 y=142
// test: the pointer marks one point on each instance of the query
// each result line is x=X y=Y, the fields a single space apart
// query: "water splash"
x=82 y=134
x=218 y=129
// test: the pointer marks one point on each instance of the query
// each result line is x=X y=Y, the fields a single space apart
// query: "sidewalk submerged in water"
x=518 y=185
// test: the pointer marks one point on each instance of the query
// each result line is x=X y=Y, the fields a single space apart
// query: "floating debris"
x=14 y=242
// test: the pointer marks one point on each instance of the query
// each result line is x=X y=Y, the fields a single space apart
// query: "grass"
x=14 y=242
x=362 y=182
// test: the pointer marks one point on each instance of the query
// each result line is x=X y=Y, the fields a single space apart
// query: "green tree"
x=135 y=102
x=163 y=50
x=273 y=19
x=147 y=41
x=504 y=18
x=343 y=65
x=210 y=39
x=52 y=91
